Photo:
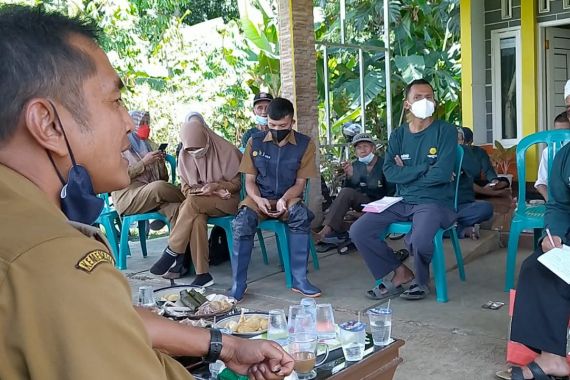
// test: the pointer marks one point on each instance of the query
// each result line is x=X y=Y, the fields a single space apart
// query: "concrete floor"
x=455 y=340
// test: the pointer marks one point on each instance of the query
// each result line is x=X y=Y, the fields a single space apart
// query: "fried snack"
x=170 y=298
x=247 y=325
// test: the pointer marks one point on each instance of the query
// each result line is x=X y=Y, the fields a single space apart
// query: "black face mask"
x=279 y=134
x=78 y=199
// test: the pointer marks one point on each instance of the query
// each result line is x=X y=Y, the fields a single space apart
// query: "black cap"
x=262 y=96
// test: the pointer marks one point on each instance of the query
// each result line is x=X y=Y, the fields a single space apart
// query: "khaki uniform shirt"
x=65 y=311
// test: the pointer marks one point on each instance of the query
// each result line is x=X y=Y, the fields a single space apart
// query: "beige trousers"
x=158 y=196
x=192 y=227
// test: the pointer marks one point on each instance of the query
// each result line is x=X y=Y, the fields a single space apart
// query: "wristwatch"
x=215 y=346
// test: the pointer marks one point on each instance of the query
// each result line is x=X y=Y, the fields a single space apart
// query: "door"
x=557 y=54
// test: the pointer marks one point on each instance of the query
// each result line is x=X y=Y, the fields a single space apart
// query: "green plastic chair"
x=281 y=232
x=528 y=217
x=438 y=259
x=107 y=219
x=141 y=219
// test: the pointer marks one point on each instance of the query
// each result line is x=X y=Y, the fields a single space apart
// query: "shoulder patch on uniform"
x=94 y=258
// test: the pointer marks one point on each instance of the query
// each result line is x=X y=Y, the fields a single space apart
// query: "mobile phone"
x=162 y=147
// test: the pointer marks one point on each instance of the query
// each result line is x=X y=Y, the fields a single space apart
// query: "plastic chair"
x=107 y=219
x=281 y=233
x=438 y=259
x=225 y=222
x=528 y=217
x=141 y=219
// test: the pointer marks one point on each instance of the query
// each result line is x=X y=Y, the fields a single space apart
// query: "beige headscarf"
x=222 y=159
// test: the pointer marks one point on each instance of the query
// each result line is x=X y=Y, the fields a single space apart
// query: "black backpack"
x=218 y=246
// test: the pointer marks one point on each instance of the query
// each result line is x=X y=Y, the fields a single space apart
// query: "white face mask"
x=422 y=109
x=367 y=159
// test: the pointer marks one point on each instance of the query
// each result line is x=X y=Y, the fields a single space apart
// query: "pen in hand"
x=550 y=238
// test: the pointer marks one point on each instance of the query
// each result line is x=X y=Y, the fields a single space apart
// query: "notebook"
x=381 y=204
x=558 y=261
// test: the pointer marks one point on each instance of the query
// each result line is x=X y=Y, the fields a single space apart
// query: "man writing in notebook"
x=419 y=160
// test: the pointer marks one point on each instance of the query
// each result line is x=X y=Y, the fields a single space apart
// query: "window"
x=506 y=84
x=566 y=4
x=543 y=6
x=507 y=9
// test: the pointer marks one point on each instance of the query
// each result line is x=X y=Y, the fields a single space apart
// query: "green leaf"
x=412 y=67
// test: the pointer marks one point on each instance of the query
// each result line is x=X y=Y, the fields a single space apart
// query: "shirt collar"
x=289 y=139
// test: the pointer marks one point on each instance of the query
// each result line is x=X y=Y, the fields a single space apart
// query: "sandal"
x=475 y=232
x=537 y=373
x=415 y=292
x=384 y=291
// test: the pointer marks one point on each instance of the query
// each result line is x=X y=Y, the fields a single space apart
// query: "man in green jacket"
x=419 y=160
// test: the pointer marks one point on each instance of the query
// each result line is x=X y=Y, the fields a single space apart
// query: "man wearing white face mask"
x=419 y=160
x=365 y=182
x=260 y=103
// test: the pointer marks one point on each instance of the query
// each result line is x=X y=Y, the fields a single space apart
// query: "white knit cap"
x=567 y=89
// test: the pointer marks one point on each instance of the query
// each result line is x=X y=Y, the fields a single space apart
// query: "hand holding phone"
x=162 y=147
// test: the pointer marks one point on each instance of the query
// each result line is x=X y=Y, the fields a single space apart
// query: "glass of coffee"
x=303 y=347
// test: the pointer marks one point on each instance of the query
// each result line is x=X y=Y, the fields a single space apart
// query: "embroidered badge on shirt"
x=94 y=258
x=254 y=153
x=432 y=152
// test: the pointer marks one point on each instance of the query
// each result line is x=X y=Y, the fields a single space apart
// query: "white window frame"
x=565 y=4
x=496 y=37
x=543 y=6
x=507 y=9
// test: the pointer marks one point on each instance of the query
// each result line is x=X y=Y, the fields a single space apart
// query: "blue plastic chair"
x=529 y=217
x=281 y=231
x=438 y=259
x=107 y=219
x=225 y=222
x=141 y=219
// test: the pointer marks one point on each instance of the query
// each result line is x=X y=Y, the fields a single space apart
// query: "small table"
x=379 y=363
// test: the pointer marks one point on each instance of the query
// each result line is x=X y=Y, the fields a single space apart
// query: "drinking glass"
x=353 y=339
x=293 y=311
x=325 y=321
x=303 y=348
x=146 y=297
x=309 y=305
x=380 y=325
x=277 y=329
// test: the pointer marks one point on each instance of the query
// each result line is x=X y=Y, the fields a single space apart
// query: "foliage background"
x=213 y=55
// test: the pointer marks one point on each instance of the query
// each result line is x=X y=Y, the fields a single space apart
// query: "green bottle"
x=228 y=374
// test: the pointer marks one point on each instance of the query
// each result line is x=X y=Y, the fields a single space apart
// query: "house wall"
x=557 y=12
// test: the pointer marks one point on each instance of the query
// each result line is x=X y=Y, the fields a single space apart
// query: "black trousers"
x=542 y=308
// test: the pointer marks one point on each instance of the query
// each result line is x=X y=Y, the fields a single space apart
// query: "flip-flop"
x=415 y=292
x=391 y=291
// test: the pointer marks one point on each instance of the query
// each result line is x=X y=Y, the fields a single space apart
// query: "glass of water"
x=277 y=329
x=325 y=321
x=380 y=325
x=352 y=338
x=146 y=297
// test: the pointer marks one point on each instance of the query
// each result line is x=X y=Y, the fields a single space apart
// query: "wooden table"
x=379 y=363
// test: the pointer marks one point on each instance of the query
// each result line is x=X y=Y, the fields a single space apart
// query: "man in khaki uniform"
x=65 y=312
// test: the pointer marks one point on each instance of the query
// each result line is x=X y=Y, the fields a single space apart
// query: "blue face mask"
x=367 y=159
x=260 y=120
x=78 y=199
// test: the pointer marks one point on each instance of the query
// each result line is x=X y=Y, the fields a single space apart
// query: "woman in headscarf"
x=149 y=189
x=208 y=167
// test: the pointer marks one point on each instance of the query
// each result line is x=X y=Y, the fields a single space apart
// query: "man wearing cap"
x=365 y=182
x=419 y=160
x=560 y=122
x=260 y=103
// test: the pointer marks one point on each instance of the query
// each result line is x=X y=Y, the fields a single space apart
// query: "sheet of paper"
x=558 y=261
x=381 y=204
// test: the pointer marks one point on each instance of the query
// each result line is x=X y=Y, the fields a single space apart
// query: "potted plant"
x=502 y=159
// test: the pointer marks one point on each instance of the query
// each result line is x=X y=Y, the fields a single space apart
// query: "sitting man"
x=560 y=122
x=470 y=212
x=149 y=189
x=260 y=104
x=485 y=179
x=419 y=160
x=63 y=125
x=542 y=304
x=364 y=183
x=277 y=165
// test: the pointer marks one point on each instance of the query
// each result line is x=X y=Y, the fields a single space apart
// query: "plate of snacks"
x=245 y=324
x=192 y=302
